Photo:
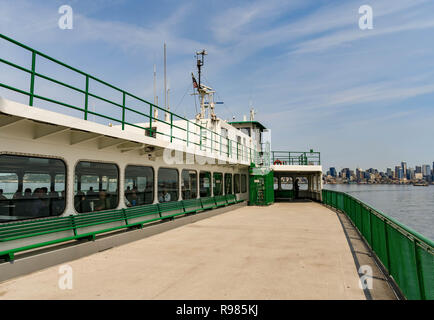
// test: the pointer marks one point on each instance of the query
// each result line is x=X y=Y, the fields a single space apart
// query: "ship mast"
x=203 y=91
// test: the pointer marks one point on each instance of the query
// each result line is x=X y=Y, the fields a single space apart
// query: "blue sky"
x=362 y=98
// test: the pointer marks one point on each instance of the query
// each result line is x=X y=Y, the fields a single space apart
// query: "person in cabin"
x=165 y=196
x=2 y=197
x=4 y=210
x=103 y=202
x=296 y=189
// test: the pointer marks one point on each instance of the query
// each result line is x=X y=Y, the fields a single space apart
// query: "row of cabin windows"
x=33 y=187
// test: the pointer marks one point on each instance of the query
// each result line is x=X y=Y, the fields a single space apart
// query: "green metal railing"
x=219 y=144
x=406 y=255
x=296 y=157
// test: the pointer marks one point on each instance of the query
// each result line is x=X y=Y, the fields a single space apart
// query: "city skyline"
x=401 y=173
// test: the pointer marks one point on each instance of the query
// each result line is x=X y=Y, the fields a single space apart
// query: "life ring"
x=278 y=162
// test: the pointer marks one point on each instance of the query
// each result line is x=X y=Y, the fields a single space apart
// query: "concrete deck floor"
x=284 y=251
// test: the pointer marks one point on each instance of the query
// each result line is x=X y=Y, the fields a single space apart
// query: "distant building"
x=398 y=172
x=333 y=172
x=418 y=169
x=404 y=169
x=426 y=170
x=389 y=173
x=410 y=174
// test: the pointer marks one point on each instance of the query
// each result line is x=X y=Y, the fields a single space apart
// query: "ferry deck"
x=146 y=204
x=298 y=250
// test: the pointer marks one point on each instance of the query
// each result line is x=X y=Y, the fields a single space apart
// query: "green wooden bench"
x=171 y=209
x=230 y=198
x=192 y=205
x=208 y=203
x=221 y=201
x=88 y=225
x=150 y=212
x=44 y=227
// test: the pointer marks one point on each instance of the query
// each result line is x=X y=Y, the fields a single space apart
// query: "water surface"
x=412 y=206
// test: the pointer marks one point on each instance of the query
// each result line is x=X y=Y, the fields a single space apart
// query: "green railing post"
x=187 y=131
x=171 y=127
x=74 y=227
x=32 y=78
x=123 y=110
x=86 y=98
x=150 y=120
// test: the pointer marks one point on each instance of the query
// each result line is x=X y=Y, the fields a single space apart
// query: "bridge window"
x=31 y=187
x=237 y=183
x=168 y=184
x=189 y=184
x=243 y=183
x=218 y=184
x=246 y=131
x=139 y=185
x=286 y=183
x=228 y=183
x=95 y=186
x=205 y=183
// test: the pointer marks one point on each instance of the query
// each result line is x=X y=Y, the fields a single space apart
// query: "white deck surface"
x=285 y=251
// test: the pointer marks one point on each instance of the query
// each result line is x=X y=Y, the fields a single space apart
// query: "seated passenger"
x=103 y=202
x=2 y=197
x=4 y=202
x=133 y=200
x=91 y=193
x=165 y=196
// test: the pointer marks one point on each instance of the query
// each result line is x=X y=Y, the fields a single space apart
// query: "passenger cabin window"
x=168 y=184
x=95 y=186
x=236 y=183
x=224 y=132
x=205 y=184
x=31 y=187
x=218 y=184
x=139 y=185
x=189 y=184
x=246 y=131
x=243 y=183
x=228 y=183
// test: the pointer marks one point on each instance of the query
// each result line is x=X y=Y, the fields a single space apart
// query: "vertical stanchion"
x=32 y=79
x=86 y=98
x=171 y=127
x=123 y=110
x=150 y=120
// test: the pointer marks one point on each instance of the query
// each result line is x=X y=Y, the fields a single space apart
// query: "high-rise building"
x=333 y=172
x=410 y=173
x=389 y=172
x=426 y=170
x=418 y=169
x=397 y=170
x=404 y=169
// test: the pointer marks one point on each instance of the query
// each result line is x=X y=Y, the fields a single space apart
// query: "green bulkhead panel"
x=261 y=189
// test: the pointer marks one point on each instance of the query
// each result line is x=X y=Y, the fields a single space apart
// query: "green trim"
x=260 y=125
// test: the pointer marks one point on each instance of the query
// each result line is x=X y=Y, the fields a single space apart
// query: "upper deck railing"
x=193 y=133
x=296 y=158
